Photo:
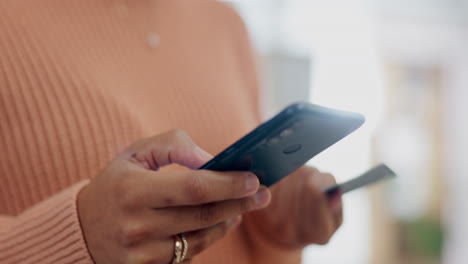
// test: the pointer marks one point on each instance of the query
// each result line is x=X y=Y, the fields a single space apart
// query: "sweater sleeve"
x=48 y=232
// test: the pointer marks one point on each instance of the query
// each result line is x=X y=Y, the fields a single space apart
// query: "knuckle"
x=196 y=188
x=179 y=134
x=137 y=256
x=323 y=241
x=340 y=221
x=136 y=145
x=325 y=236
x=314 y=170
x=132 y=232
x=330 y=177
x=311 y=170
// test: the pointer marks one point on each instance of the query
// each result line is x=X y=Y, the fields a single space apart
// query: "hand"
x=131 y=212
x=299 y=213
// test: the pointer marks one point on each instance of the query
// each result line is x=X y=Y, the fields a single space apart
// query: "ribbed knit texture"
x=82 y=79
x=47 y=233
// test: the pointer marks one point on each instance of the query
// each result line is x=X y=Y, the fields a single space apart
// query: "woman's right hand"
x=131 y=212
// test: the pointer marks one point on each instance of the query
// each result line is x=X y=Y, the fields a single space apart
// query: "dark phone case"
x=287 y=141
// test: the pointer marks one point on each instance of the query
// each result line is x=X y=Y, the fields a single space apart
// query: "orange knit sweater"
x=82 y=79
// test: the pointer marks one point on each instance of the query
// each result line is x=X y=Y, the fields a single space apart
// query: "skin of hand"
x=299 y=213
x=131 y=211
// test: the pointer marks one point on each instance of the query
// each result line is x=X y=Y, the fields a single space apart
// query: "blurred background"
x=403 y=64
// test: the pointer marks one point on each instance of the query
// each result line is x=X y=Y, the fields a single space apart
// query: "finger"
x=185 y=219
x=323 y=181
x=201 y=239
x=336 y=206
x=158 y=251
x=335 y=203
x=338 y=216
x=163 y=251
x=322 y=214
x=332 y=206
x=179 y=188
x=326 y=224
x=172 y=147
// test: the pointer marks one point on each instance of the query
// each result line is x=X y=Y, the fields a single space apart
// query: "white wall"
x=456 y=153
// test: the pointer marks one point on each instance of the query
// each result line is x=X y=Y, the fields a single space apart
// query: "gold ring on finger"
x=185 y=247
x=178 y=249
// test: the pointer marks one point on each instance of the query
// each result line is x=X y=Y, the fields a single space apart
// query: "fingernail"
x=251 y=184
x=261 y=196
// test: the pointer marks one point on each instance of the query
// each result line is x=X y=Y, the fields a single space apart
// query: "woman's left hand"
x=299 y=213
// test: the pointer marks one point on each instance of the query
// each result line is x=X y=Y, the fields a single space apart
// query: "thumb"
x=175 y=146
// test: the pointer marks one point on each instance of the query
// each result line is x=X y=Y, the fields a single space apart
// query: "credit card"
x=371 y=176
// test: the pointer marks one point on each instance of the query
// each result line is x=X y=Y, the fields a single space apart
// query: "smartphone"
x=371 y=176
x=287 y=141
